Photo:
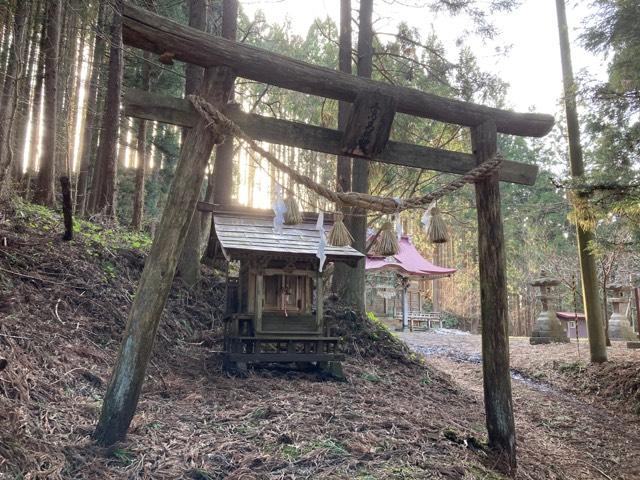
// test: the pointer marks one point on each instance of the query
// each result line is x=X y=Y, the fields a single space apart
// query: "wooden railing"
x=422 y=321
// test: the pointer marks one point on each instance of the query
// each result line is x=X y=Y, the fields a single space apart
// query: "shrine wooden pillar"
x=405 y=306
x=259 y=299
x=493 y=300
x=319 y=300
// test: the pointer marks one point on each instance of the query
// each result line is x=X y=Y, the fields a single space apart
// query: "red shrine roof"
x=407 y=261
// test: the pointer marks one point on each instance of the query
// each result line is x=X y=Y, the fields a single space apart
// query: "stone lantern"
x=619 y=326
x=547 y=328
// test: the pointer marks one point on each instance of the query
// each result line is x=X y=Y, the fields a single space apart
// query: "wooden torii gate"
x=159 y=35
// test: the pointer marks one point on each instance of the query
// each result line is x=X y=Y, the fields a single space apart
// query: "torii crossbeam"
x=154 y=33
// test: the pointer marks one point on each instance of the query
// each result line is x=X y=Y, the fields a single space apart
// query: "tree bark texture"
x=90 y=133
x=223 y=163
x=344 y=60
x=5 y=45
x=223 y=168
x=24 y=96
x=353 y=291
x=138 y=199
x=103 y=194
x=189 y=263
x=45 y=189
x=493 y=302
x=13 y=81
x=127 y=378
x=590 y=294
x=343 y=167
x=66 y=75
x=35 y=151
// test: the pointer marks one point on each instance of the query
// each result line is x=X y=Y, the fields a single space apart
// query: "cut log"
x=369 y=125
x=177 y=111
x=148 y=31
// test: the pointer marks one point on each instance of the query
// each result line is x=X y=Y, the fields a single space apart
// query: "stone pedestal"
x=619 y=326
x=547 y=328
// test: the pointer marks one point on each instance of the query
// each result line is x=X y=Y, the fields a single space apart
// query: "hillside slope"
x=63 y=307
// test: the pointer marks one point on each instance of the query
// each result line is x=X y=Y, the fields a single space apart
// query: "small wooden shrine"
x=276 y=308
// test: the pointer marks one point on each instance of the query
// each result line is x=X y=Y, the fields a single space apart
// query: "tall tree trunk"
x=45 y=186
x=91 y=133
x=5 y=47
x=24 y=97
x=66 y=54
x=189 y=263
x=341 y=272
x=223 y=170
x=45 y=190
x=222 y=173
x=353 y=293
x=103 y=197
x=74 y=86
x=11 y=88
x=223 y=166
x=36 y=110
x=590 y=294
x=8 y=55
x=344 y=54
x=138 y=200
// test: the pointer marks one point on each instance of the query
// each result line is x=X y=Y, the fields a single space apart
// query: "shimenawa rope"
x=220 y=125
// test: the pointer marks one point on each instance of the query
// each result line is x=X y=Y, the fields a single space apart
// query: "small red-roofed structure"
x=411 y=269
x=570 y=321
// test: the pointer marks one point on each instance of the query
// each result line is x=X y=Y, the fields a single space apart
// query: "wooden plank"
x=176 y=111
x=285 y=357
x=143 y=29
x=493 y=302
x=279 y=338
x=369 y=125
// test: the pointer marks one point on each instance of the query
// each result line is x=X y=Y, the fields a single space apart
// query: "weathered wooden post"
x=124 y=387
x=493 y=299
x=405 y=302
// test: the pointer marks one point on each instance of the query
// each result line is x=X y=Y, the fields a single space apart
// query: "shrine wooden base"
x=303 y=352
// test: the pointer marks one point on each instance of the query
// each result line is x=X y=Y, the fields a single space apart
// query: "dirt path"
x=568 y=436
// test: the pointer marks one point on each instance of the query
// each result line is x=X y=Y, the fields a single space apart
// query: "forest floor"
x=399 y=415
x=583 y=417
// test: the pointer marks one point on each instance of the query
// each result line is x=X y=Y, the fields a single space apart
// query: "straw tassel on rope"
x=437 y=231
x=339 y=235
x=292 y=216
x=387 y=244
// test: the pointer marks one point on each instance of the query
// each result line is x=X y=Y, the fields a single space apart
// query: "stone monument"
x=547 y=328
x=619 y=326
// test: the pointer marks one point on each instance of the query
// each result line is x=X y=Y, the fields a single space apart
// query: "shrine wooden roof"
x=245 y=234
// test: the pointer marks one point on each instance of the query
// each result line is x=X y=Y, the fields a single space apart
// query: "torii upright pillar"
x=493 y=300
